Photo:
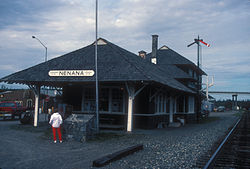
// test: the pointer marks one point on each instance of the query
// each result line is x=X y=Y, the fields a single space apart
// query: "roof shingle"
x=114 y=64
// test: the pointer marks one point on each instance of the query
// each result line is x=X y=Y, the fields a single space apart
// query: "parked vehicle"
x=221 y=109
x=206 y=108
x=11 y=109
x=28 y=117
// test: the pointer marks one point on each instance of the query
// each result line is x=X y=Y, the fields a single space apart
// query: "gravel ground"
x=27 y=147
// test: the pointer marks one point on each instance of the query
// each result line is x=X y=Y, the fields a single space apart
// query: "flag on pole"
x=205 y=43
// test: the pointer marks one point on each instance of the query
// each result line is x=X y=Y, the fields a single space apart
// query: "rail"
x=207 y=166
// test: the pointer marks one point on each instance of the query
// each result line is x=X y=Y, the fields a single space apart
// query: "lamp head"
x=33 y=37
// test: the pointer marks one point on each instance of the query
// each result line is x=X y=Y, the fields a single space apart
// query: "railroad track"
x=233 y=151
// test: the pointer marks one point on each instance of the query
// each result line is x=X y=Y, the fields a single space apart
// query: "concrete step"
x=116 y=156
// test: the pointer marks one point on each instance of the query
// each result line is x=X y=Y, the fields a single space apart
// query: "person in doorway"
x=55 y=122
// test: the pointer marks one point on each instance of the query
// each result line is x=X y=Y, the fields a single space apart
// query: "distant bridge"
x=229 y=92
x=234 y=95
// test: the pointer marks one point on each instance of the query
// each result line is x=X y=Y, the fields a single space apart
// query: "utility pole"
x=46 y=58
x=199 y=81
x=96 y=73
x=198 y=86
x=46 y=49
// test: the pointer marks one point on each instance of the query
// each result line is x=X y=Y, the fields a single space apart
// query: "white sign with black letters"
x=71 y=73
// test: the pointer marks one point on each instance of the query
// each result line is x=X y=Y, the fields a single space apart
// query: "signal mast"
x=198 y=41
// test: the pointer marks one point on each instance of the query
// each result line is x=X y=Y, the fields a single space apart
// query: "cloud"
x=66 y=25
x=8 y=67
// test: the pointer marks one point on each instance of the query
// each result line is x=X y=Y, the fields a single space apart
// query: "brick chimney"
x=142 y=54
x=154 y=49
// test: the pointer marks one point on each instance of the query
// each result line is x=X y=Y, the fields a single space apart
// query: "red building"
x=25 y=97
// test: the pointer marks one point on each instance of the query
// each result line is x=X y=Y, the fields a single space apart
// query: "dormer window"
x=101 y=42
x=142 y=54
x=164 y=47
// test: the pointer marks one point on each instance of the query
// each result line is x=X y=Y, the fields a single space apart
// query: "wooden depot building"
x=134 y=91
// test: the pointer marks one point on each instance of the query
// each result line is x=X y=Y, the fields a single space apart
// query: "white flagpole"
x=96 y=74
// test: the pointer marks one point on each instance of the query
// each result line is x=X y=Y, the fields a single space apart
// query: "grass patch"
x=238 y=114
x=104 y=136
x=209 y=120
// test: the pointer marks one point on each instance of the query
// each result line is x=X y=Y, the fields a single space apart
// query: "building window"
x=195 y=75
x=104 y=99
x=19 y=103
x=190 y=72
x=110 y=100
x=161 y=104
x=191 y=104
x=191 y=85
x=29 y=103
x=180 y=108
x=89 y=100
x=117 y=100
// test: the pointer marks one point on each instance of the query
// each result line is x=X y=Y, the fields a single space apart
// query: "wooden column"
x=36 y=114
x=175 y=104
x=165 y=103
x=184 y=104
x=171 y=113
x=131 y=96
x=130 y=108
x=83 y=100
x=123 y=102
x=110 y=100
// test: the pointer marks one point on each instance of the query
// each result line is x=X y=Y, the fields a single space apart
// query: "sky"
x=66 y=25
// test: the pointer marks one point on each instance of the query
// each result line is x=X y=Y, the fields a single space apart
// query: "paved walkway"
x=23 y=146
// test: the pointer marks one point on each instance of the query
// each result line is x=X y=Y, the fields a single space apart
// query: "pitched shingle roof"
x=114 y=64
x=167 y=56
x=177 y=73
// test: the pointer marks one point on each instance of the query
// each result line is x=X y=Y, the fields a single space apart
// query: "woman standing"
x=55 y=122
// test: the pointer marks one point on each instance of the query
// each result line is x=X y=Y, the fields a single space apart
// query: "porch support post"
x=130 y=109
x=83 y=99
x=165 y=103
x=36 y=114
x=175 y=105
x=171 y=110
x=110 y=100
x=131 y=96
x=124 y=102
x=189 y=104
x=184 y=104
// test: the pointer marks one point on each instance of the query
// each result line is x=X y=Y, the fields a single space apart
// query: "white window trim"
x=191 y=104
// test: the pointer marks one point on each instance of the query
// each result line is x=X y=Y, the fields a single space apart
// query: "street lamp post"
x=46 y=57
x=96 y=73
x=46 y=49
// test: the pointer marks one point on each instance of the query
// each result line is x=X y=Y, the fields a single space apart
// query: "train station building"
x=154 y=88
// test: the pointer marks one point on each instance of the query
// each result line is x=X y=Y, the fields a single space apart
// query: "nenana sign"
x=71 y=73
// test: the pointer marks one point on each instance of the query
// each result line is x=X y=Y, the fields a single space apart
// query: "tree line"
x=228 y=104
